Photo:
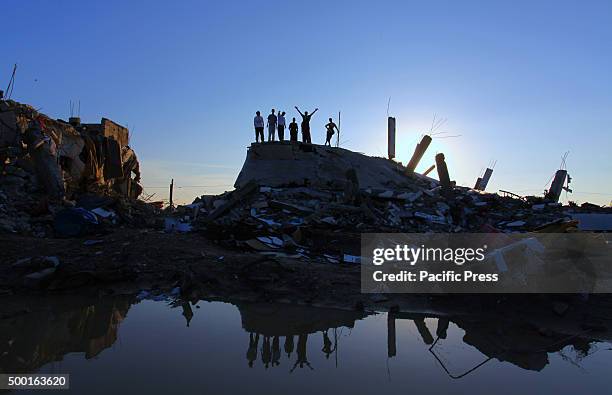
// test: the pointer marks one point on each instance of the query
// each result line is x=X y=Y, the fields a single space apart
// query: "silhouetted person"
x=281 y=126
x=306 y=125
x=271 y=126
x=276 y=352
x=266 y=352
x=330 y=131
x=289 y=340
x=293 y=130
x=259 y=127
x=251 y=354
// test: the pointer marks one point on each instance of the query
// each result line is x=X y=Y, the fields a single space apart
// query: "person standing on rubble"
x=271 y=126
x=259 y=127
x=306 y=124
x=330 y=131
x=293 y=131
x=281 y=126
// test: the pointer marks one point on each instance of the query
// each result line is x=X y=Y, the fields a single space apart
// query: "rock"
x=37 y=279
x=52 y=260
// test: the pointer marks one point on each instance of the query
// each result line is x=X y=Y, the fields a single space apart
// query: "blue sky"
x=520 y=82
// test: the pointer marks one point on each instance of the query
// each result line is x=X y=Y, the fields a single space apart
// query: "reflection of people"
x=289 y=343
x=327 y=345
x=302 y=359
x=276 y=352
x=187 y=312
x=266 y=352
x=251 y=354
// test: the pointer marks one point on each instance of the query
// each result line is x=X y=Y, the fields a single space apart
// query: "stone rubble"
x=325 y=224
x=47 y=165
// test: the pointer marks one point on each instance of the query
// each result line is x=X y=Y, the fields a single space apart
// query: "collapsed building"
x=313 y=202
x=50 y=162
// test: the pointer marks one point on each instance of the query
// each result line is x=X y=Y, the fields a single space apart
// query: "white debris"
x=100 y=212
x=386 y=194
x=438 y=219
x=351 y=258
x=411 y=197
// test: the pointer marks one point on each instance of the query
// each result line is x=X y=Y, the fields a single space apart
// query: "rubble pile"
x=47 y=164
x=324 y=221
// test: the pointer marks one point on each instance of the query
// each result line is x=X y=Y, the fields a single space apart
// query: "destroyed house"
x=109 y=129
x=69 y=157
x=110 y=144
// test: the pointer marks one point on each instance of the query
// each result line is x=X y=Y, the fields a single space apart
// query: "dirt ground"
x=129 y=260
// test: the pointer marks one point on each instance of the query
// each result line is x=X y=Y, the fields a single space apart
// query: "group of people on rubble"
x=278 y=123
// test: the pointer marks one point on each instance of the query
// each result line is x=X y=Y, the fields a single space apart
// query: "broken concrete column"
x=557 y=186
x=419 y=151
x=235 y=198
x=391 y=137
x=423 y=330
x=391 y=341
x=429 y=170
x=443 y=171
x=485 y=179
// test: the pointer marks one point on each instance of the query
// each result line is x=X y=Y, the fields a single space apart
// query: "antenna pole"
x=11 y=84
x=338 y=137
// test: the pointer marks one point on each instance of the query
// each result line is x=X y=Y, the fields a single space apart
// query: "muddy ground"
x=129 y=260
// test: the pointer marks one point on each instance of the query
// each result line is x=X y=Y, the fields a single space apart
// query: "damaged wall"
x=287 y=164
x=110 y=129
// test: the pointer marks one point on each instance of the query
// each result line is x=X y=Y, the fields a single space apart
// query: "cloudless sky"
x=521 y=82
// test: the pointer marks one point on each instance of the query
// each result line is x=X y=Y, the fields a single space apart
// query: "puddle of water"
x=115 y=346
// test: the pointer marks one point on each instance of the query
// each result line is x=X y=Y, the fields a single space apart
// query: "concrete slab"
x=297 y=164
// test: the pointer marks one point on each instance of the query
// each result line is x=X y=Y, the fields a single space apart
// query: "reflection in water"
x=30 y=340
x=520 y=343
x=61 y=326
x=271 y=321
